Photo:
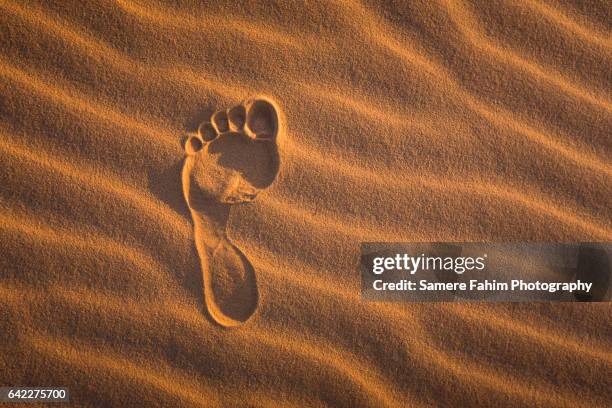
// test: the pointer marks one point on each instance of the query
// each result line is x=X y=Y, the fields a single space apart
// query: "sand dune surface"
x=185 y=187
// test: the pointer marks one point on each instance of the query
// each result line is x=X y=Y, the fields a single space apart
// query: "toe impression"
x=237 y=118
x=261 y=118
x=220 y=121
x=193 y=144
x=207 y=131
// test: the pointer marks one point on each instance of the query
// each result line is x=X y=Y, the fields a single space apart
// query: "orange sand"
x=444 y=120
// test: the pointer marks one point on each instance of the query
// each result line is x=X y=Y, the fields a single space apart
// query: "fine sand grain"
x=171 y=168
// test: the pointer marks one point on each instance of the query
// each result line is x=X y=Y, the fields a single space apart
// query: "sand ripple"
x=432 y=120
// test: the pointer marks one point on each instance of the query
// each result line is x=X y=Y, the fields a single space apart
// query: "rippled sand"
x=446 y=120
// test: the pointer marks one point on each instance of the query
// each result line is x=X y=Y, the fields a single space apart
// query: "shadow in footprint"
x=233 y=156
x=164 y=186
x=256 y=161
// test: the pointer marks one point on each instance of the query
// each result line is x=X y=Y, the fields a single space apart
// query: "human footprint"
x=230 y=160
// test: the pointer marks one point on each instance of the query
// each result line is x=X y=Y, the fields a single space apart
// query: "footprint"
x=230 y=160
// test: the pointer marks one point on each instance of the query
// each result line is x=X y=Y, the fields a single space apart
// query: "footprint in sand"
x=231 y=159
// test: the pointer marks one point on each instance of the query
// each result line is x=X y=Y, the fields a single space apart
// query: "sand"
x=419 y=121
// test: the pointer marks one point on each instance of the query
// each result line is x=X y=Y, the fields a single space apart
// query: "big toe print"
x=233 y=157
